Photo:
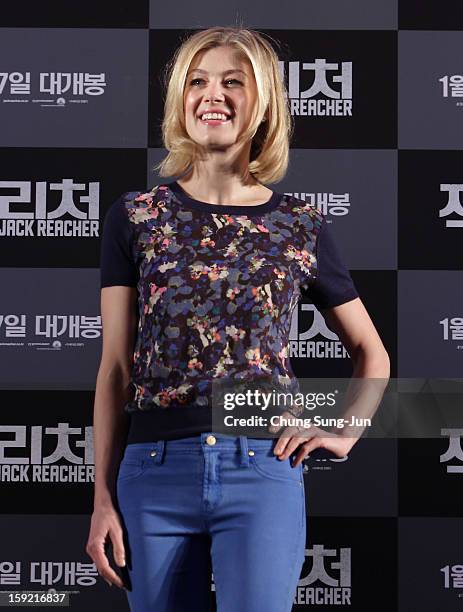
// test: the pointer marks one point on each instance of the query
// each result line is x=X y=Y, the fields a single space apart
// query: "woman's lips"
x=214 y=121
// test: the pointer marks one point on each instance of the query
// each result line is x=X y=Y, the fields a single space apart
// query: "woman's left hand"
x=310 y=438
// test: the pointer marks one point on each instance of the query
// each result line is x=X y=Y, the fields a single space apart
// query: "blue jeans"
x=211 y=503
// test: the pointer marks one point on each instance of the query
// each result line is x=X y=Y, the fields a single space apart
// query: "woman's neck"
x=238 y=194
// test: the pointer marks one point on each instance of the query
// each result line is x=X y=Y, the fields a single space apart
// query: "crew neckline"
x=229 y=209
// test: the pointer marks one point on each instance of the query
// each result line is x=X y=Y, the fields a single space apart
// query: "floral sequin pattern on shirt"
x=216 y=294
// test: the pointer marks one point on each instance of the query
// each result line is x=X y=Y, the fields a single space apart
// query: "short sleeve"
x=117 y=265
x=333 y=284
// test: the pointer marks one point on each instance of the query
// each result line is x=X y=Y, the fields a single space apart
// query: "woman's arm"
x=371 y=364
x=110 y=423
x=355 y=329
x=352 y=324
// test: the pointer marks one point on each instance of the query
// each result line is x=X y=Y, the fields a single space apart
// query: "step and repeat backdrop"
x=376 y=91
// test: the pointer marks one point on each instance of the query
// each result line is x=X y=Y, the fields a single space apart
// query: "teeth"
x=214 y=116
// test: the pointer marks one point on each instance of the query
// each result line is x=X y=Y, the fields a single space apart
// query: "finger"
x=282 y=441
x=285 y=437
x=118 y=548
x=291 y=446
x=105 y=570
x=314 y=439
x=299 y=459
x=304 y=452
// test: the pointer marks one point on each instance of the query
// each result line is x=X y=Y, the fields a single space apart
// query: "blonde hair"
x=269 y=154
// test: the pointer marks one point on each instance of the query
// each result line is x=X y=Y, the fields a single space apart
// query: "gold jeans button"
x=211 y=440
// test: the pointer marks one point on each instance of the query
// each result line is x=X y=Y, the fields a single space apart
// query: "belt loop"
x=157 y=451
x=244 y=459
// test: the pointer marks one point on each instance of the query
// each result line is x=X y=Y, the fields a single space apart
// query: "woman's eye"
x=194 y=81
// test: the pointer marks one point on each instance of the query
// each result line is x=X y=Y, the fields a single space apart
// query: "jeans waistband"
x=204 y=442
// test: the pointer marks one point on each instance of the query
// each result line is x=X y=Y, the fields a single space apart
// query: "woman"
x=213 y=264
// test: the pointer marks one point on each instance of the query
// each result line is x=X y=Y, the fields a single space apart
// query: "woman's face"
x=219 y=79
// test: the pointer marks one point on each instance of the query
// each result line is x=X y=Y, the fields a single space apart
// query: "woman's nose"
x=214 y=93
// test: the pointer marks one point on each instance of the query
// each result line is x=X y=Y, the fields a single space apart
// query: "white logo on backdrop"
x=66 y=573
x=23 y=215
x=73 y=449
x=452 y=330
x=15 y=86
x=453 y=204
x=330 y=93
x=336 y=204
x=454 y=450
x=47 y=326
x=332 y=568
x=453 y=576
x=452 y=86
x=305 y=343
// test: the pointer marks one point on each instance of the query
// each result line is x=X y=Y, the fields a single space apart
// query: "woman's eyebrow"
x=224 y=73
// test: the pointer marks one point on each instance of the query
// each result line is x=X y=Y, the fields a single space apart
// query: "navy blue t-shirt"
x=217 y=286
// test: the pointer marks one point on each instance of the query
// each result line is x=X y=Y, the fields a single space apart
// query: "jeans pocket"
x=131 y=468
x=267 y=464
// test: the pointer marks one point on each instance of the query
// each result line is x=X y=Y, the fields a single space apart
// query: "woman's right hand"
x=105 y=526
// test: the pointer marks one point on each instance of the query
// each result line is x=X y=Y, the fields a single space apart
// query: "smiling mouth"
x=214 y=121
